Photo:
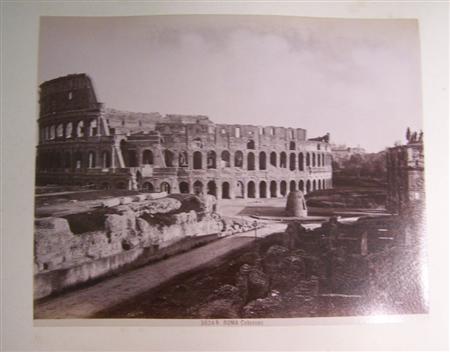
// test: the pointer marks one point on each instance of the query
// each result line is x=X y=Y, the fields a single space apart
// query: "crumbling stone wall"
x=120 y=235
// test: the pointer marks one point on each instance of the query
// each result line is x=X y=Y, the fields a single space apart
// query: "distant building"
x=342 y=152
x=81 y=142
x=405 y=175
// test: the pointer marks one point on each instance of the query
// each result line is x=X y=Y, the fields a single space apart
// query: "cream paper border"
x=19 y=109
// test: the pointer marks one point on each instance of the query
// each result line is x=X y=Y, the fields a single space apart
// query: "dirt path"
x=86 y=302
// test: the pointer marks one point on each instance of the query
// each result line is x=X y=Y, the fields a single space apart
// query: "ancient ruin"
x=82 y=142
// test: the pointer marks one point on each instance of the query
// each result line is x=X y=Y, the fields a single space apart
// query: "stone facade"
x=405 y=172
x=83 y=143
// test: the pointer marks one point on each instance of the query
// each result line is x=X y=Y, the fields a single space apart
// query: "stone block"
x=55 y=225
x=113 y=202
x=158 y=195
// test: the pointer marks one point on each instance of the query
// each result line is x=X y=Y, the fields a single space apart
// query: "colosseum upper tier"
x=83 y=143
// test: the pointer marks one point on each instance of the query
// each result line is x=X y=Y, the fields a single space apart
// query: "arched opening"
x=197 y=160
x=313 y=159
x=52 y=132
x=225 y=190
x=164 y=187
x=132 y=158
x=283 y=188
x=124 y=151
x=251 y=191
x=91 y=160
x=308 y=159
x=212 y=189
x=60 y=130
x=273 y=159
x=251 y=161
x=168 y=158
x=69 y=128
x=251 y=144
x=283 y=159
x=211 y=159
x=93 y=128
x=262 y=189
x=183 y=159
x=198 y=188
x=225 y=156
x=292 y=161
x=67 y=160
x=308 y=186
x=80 y=129
x=147 y=187
x=121 y=185
x=262 y=160
x=78 y=160
x=291 y=145
x=238 y=159
x=300 y=162
x=106 y=159
x=273 y=189
x=292 y=186
x=197 y=142
x=314 y=185
x=301 y=186
x=323 y=184
x=323 y=159
x=184 y=187
x=239 y=193
x=147 y=157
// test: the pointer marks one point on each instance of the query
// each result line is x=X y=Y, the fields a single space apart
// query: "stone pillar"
x=219 y=190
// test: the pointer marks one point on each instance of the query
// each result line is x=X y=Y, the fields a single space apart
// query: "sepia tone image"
x=229 y=167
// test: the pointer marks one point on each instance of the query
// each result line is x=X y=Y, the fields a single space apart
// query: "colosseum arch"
x=273 y=189
x=211 y=160
x=183 y=159
x=147 y=187
x=251 y=190
x=183 y=187
x=212 y=188
x=300 y=162
x=262 y=161
x=225 y=157
x=69 y=128
x=80 y=128
x=225 y=190
x=313 y=159
x=292 y=186
x=239 y=192
x=106 y=159
x=308 y=159
x=198 y=162
x=308 y=186
x=283 y=188
x=263 y=189
x=164 y=187
x=301 y=186
x=273 y=159
x=52 y=132
x=67 y=160
x=91 y=159
x=238 y=159
x=314 y=185
x=291 y=145
x=251 y=161
x=292 y=158
x=283 y=161
x=251 y=144
x=93 y=128
x=147 y=157
x=60 y=130
x=198 y=188
x=168 y=158
x=78 y=160
x=319 y=162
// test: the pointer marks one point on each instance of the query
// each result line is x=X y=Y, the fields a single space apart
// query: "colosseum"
x=81 y=142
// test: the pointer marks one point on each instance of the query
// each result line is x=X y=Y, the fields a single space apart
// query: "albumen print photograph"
x=229 y=167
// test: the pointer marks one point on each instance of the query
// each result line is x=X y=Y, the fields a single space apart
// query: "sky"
x=359 y=80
